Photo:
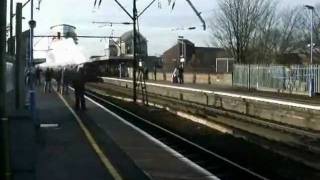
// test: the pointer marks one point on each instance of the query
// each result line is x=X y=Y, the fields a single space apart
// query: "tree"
x=291 y=30
x=316 y=31
x=265 y=38
x=294 y=31
x=235 y=26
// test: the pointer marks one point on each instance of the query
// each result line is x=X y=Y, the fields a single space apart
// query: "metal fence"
x=290 y=79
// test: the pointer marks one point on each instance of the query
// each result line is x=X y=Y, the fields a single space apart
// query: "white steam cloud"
x=64 y=52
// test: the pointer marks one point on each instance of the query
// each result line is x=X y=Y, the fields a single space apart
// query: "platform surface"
x=65 y=153
x=156 y=160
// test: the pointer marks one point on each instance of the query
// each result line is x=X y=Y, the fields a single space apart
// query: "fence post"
x=232 y=75
x=249 y=77
x=311 y=84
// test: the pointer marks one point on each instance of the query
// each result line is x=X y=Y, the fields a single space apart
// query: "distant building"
x=121 y=55
x=123 y=47
x=64 y=30
x=195 y=59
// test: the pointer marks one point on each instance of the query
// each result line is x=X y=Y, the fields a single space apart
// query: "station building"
x=123 y=47
x=64 y=30
x=196 y=59
x=120 y=56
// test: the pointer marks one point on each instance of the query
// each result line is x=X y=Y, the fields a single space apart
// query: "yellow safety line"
x=106 y=162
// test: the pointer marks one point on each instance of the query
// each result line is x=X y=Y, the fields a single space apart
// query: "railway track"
x=310 y=145
x=218 y=165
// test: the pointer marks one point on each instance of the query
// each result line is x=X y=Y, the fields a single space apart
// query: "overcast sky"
x=156 y=23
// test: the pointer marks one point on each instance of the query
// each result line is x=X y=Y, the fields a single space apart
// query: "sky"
x=156 y=24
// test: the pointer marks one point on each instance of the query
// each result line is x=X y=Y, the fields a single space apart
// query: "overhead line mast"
x=134 y=18
x=198 y=14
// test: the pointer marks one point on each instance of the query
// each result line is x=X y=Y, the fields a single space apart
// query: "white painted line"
x=163 y=85
x=4 y=119
x=105 y=161
x=49 y=125
x=268 y=100
x=205 y=122
x=162 y=145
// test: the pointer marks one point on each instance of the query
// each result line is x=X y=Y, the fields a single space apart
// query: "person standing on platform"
x=155 y=72
x=175 y=75
x=65 y=81
x=58 y=79
x=79 y=88
x=48 y=78
x=145 y=73
x=180 y=74
x=38 y=76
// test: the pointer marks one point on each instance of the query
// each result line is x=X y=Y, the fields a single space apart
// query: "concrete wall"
x=294 y=116
x=196 y=78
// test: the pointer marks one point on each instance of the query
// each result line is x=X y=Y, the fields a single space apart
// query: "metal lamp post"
x=311 y=8
x=311 y=84
x=134 y=17
x=32 y=24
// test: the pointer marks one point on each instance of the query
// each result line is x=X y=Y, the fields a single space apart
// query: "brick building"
x=194 y=59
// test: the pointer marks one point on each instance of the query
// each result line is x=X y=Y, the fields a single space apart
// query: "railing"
x=290 y=79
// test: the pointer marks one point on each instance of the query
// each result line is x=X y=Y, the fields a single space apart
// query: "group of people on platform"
x=177 y=75
x=64 y=78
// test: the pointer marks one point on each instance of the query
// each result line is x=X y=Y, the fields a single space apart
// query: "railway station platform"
x=62 y=149
x=296 y=111
x=98 y=144
x=230 y=90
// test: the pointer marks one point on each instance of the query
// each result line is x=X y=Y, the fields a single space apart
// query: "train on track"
x=110 y=67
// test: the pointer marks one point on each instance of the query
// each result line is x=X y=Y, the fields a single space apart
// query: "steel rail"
x=234 y=164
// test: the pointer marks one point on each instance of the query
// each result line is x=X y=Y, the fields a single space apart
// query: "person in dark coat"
x=79 y=88
x=65 y=81
x=175 y=75
x=48 y=78
x=38 y=76
x=180 y=74
x=155 y=72
x=145 y=73
x=59 y=79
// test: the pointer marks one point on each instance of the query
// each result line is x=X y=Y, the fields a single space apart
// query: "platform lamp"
x=311 y=84
x=32 y=99
x=311 y=8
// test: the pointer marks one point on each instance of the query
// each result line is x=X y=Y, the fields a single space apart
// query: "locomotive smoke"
x=64 y=52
